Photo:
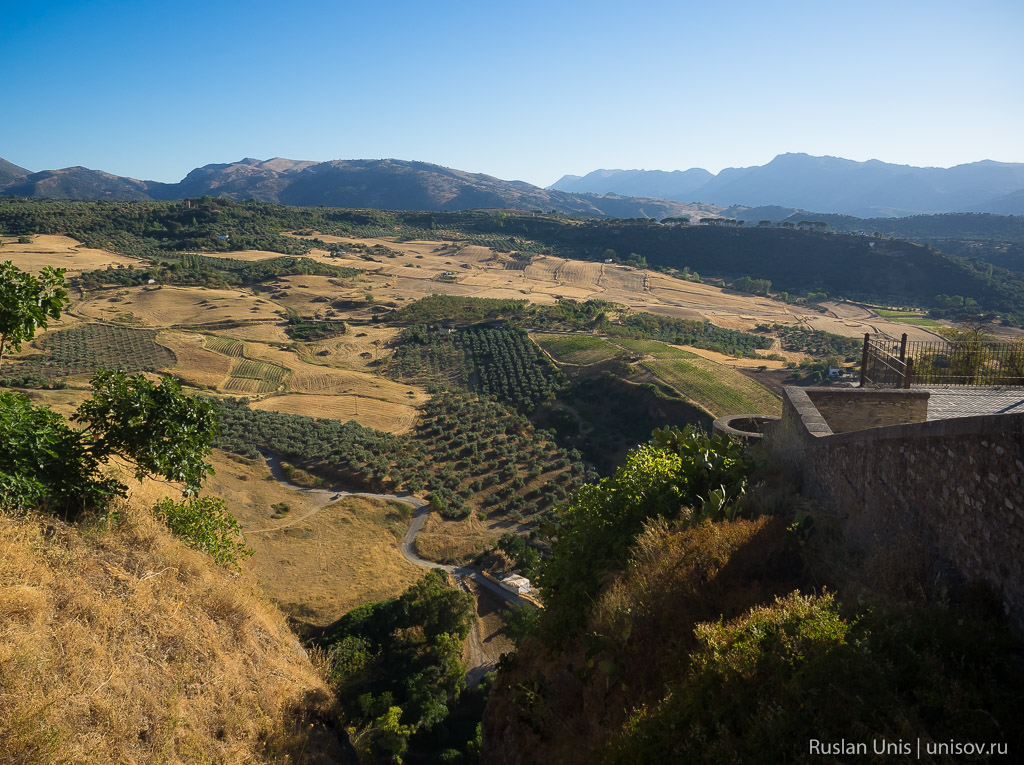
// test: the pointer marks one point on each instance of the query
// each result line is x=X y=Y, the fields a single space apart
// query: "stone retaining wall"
x=955 y=486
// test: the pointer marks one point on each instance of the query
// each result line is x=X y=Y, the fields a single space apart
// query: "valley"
x=486 y=385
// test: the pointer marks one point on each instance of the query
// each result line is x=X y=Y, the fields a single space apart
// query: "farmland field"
x=196 y=365
x=251 y=376
x=179 y=306
x=60 y=252
x=87 y=347
x=224 y=345
x=904 y=317
x=577 y=349
x=653 y=348
x=388 y=416
x=719 y=389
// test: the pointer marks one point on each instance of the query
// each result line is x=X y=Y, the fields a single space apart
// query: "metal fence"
x=900 y=364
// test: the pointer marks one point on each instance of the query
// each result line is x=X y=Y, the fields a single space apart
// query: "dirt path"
x=479 y=659
x=327 y=496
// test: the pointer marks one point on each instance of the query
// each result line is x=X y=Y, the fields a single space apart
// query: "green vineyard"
x=719 y=389
x=224 y=345
x=577 y=349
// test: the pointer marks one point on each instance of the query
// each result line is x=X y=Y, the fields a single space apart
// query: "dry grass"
x=315 y=562
x=346 y=554
x=369 y=412
x=59 y=252
x=180 y=306
x=355 y=350
x=311 y=378
x=121 y=645
x=456 y=541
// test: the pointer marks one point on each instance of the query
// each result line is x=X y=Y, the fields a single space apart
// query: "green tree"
x=46 y=464
x=152 y=425
x=682 y=473
x=27 y=303
x=205 y=524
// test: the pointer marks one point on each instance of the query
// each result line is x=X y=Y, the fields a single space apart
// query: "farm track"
x=479 y=660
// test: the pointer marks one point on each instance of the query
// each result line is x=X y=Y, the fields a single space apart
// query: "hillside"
x=386 y=184
x=827 y=184
x=10 y=171
x=119 y=644
x=840 y=265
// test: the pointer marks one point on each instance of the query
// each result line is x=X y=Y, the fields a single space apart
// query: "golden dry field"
x=481 y=272
x=178 y=306
x=369 y=412
x=446 y=540
x=346 y=554
x=197 y=365
x=60 y=252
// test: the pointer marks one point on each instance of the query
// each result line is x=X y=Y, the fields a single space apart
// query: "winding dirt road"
x=480 y=661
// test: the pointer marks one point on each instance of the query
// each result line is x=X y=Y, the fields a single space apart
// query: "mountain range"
x=823 y=184
x=827 y=184
x=385 y=184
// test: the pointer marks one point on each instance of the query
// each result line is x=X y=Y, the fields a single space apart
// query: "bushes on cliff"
x=760 y=687
x=682 y=472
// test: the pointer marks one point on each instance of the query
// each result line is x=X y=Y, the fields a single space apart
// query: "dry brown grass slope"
x=120 y=645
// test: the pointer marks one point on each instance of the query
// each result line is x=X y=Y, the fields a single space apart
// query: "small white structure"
x=517 y=584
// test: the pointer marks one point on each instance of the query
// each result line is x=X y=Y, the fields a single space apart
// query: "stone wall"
x=955 y=487
x=849 y=409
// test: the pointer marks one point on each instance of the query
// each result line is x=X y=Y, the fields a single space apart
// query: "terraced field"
x=251 y=376
x=224 y=345
x=719 y=389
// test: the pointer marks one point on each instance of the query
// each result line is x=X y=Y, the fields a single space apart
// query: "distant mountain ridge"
x=10 y=172
x=827 y=184
x=386 y=184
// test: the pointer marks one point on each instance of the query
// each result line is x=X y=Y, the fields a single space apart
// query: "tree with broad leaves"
x=151 y=424
x=27 y=303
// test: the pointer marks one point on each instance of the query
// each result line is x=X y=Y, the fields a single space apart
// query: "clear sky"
x=521 y=90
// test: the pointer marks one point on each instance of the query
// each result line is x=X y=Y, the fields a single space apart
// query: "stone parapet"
x=955 y=486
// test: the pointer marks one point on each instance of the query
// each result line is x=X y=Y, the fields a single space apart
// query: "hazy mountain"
x=835 y=185
x=1008 y=204
x=10 y=171
x=678 y=184
x=387 y=184
x=78 y=183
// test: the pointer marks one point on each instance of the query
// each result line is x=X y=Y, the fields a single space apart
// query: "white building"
x=517 y=584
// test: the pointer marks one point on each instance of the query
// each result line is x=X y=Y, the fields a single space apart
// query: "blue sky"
x=520 y=90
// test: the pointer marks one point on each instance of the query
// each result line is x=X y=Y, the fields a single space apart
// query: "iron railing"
x=884 y=363
x=902 y=363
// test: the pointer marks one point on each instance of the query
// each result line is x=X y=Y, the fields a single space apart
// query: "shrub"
x=205 y=524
